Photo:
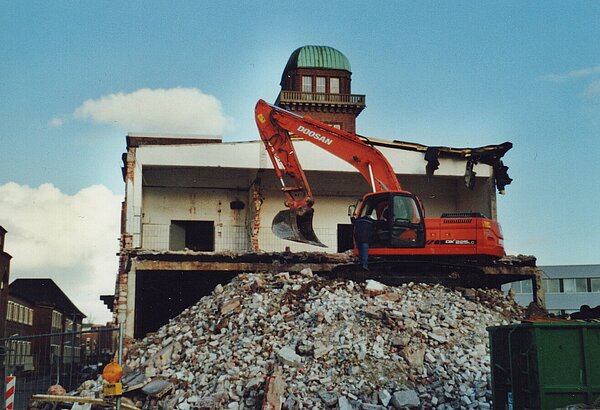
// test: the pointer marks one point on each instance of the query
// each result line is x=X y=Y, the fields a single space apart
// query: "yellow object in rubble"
x=113 y=389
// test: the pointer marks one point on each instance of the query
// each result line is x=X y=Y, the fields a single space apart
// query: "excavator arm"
x=276 y=127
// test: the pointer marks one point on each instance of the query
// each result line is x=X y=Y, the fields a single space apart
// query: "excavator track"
x=453 y=272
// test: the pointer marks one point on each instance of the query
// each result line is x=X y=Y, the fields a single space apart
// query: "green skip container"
x=545 y=365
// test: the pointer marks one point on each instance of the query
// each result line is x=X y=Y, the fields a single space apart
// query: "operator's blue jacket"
x=363 y=229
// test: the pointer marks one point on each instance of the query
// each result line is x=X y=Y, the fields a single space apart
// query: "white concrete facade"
x=197 y=182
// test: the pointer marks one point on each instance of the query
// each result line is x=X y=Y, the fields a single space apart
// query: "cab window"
x=405 y=210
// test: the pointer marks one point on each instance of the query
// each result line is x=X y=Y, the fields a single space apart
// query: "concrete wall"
x=334 y=193
x=162 y=205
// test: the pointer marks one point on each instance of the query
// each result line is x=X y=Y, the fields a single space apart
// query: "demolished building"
x=197 y=210
x=208 y=196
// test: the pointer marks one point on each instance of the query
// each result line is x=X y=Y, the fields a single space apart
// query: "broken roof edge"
x=252 y=154
x=136 y=139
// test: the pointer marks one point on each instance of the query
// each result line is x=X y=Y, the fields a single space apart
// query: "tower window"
x=321 y=84
x=334 y=85
x=306 y=84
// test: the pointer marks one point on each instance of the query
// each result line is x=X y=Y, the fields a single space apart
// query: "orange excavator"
x=405 y=243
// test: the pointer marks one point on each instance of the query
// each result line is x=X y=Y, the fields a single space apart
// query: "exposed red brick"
x=257 y=200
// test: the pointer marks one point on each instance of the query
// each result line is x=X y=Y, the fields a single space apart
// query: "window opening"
x=193 y=235
x=595 y=282
x=577 y=285
x=344 y=237
x=552 y=285
x=306 y=84
x=321 y=84
x=398 y=221
x=334 y=85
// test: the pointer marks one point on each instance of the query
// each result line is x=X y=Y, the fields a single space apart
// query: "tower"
x=316 y=82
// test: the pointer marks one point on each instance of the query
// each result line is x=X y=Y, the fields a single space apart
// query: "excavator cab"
x=399 y=219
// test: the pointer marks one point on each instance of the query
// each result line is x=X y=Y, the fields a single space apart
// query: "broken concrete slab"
x=405 y=398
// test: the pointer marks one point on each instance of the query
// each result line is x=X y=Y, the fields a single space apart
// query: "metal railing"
x=237 y=239
x=294 y=96
x=40 y=361
x=230 y=238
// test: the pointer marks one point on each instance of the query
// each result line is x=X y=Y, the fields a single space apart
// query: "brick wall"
x=346 y=120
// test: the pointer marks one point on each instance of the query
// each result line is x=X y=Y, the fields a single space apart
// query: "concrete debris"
x=384 y=397
x=56 y=390
x=157 y=388
x=287 y=356
x=406 y=398
x=374 y=288
x=302 y=342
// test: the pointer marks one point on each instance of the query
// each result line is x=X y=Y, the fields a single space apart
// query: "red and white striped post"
x=10 y=392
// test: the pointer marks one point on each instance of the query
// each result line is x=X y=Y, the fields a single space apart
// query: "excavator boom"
x=276 y=127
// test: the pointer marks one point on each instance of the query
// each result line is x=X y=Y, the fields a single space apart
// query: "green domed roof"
x=318 y=57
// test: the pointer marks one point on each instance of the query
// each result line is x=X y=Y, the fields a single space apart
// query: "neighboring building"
x=19 y=322
x=48 y=310
x=4 y=281
x=97 y=346
x=567 y=288
x=198 y=193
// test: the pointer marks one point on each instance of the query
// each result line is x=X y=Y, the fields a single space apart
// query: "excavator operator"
x=363 y=234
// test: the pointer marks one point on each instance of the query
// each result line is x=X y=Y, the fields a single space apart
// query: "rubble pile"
x=263 y=340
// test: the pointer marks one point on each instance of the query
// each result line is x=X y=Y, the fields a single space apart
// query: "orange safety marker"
x=112 y=372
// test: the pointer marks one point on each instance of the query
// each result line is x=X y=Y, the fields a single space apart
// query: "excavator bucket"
x=296 y=225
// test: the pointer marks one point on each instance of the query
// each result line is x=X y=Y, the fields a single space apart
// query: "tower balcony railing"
x=304 y=97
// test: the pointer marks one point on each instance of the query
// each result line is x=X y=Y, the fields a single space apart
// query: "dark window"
x=344 y=237
x=193 y=235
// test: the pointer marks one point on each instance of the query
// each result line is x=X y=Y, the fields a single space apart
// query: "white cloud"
x=56 y=122
x=71 y=239
x=175 y=110
x=592 y=89
x=579 y=73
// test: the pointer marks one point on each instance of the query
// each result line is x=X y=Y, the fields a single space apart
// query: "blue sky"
x=439 y=73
